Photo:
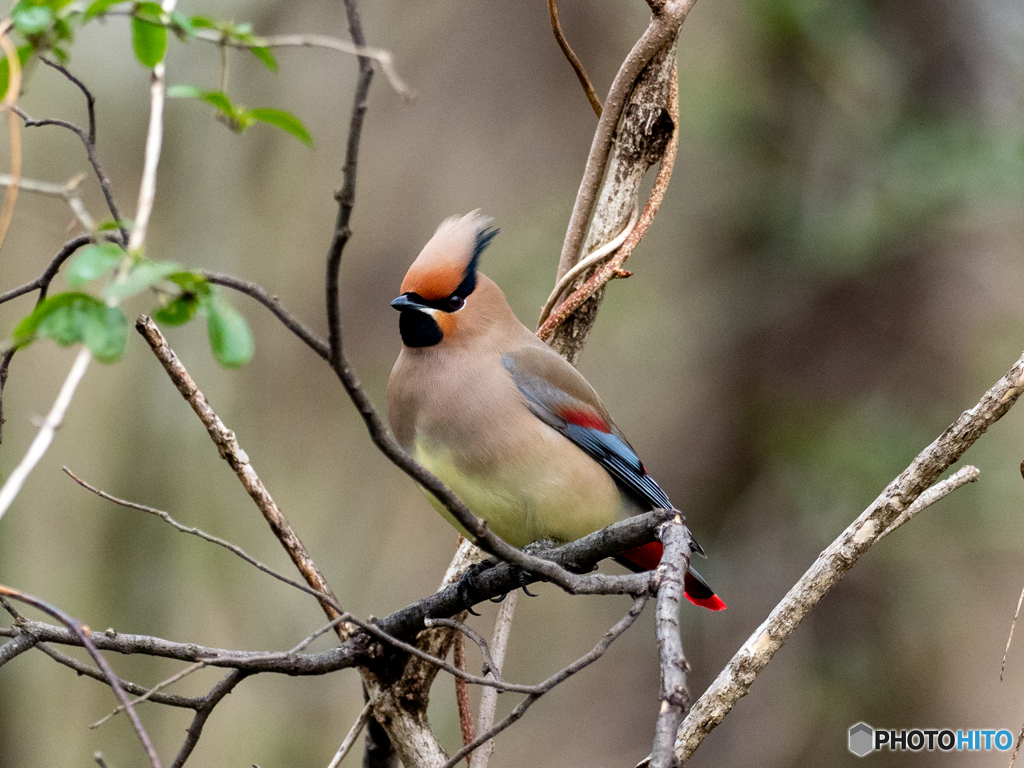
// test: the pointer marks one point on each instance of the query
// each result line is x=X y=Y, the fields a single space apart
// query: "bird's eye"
x=455 y=301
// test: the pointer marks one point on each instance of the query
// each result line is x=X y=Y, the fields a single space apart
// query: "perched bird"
x=513 y=429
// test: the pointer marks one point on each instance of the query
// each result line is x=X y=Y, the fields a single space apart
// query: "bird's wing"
x=559 y=396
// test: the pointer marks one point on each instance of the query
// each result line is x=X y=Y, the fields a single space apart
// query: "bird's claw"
x=467 y=587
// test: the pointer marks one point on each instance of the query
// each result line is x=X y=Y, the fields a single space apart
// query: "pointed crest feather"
x=450 y=257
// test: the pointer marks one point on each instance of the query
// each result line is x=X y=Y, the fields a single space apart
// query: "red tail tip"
x=713 y=603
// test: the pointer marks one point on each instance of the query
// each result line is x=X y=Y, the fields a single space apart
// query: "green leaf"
x=98 y=8
x=191 y=282
x=204 y=22
x=148 y=37
x=182 y=25
x=284 y=120
x=68 y=318
x=105 y=333
x=31 y=19
x=219 y=100
x=109 y=225
x=179 y=311
x=182 y=91
x=216 y=98
x=240 y=30
x=230 y=338
x=142 y=275
x=92 y=262
x=5 y=67
x=266 y=56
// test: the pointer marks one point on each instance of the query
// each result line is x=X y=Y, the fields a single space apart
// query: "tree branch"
x=735 y=680
x=230 y=450
x=574 y=61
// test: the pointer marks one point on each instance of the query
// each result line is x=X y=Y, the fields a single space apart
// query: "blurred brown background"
x=834 y=276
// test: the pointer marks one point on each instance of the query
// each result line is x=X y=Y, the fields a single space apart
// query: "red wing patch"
x=584 y=418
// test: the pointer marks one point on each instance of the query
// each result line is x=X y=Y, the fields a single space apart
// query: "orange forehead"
x=433 y=278
x=441 y=265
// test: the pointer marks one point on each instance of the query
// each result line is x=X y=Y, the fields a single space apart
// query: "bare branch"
x=212 y=699
x=44 y=437
x=574 y=62
x=184 y=702
x=473 y=635
x=489 y=698
x=90 y=100
x=549 y=321
x=257 y=292
x=673 y=693
x=383 y=58
x=661 y=33
x=230 y=450
x=938 y=491
x=14 y=648
x=82 y=632
x=196 y=532
x=90 y=151
x=350 y=738
x=154 y=144
x=735 y=680
x=610 y=636
x=462 y=699
x=42 y=283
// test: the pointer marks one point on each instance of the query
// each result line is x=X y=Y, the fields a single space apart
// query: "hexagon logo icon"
x=862 y=737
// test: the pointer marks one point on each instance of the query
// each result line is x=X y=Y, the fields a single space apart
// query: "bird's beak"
x=403 y=303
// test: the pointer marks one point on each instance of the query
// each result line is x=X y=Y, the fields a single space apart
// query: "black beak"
x=403 y=303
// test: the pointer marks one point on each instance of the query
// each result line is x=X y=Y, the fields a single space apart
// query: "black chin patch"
x=418 y=329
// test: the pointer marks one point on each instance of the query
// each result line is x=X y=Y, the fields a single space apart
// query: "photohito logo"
x=864 y=739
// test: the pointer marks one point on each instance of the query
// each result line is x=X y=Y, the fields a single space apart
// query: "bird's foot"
x=467 y=586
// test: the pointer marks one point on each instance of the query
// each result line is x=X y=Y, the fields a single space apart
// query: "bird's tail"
x=697 y=591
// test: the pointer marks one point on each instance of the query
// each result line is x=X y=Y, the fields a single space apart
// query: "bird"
x=512 y=428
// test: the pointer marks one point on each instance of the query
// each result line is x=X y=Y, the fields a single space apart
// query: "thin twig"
x=230 y=450
x=154 y=143
x=166 y=517
x=550 y=321
x=1013 y=624
x=462 y=699
x=171 y=700
x=489 y=698
x=663 y=29
x=259 y=293
x=44 y=437
x=90 y=151
x=68 y=191
x=152 y=691
x=90 y=100
x=574 y=62
x=82 y=632
x=735 y=680
x=212 y=699
x=13 y=126
x=598 y=650
x=42 y=283
x=603 y=252
x=964 y=475
x=472 y=634
x=353 y=733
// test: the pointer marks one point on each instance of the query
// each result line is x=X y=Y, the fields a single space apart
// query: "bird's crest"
x=447 y=264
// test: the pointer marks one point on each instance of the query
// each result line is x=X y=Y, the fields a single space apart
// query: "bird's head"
x=437 y=292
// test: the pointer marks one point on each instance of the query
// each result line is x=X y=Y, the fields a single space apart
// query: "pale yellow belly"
x=554 y=494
